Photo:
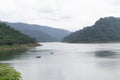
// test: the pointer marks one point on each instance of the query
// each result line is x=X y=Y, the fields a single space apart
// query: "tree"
x=9 y=73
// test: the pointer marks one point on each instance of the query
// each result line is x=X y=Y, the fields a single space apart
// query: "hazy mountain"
x=41 y=33
x=104 y=30
x=9 y=36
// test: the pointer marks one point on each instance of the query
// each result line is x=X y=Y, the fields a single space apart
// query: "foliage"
x=105 y=30
x=9 y=73
x=10 y=36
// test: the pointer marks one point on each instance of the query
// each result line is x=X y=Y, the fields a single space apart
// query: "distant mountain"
x=9 y=36
x=41 y=33
x=104 y=30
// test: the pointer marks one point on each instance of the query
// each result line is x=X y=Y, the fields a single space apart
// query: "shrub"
x=9 y=73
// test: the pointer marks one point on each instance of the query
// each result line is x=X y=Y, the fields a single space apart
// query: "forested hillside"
x=104 y=30
x=9 y=36
x=41 y=33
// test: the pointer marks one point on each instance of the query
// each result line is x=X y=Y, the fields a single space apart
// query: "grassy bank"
x=17 y=46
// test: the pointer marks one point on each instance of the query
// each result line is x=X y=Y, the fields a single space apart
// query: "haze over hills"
x=41 y=33
x=104 y=30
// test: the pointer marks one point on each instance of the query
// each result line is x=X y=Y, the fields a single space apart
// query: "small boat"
x=38 y=56
x=33 y=51
x=51 y=53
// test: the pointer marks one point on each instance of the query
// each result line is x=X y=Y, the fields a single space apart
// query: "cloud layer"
x=67 y=14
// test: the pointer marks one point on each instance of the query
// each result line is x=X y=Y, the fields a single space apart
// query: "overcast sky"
x=67 y=14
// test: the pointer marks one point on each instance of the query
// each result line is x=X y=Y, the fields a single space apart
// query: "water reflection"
x=106 y=54
x=108 y=59
x=12 y=54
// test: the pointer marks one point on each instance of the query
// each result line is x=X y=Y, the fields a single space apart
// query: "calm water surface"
x=69 y=62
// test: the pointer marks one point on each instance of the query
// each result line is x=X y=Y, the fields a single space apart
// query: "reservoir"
x=65 y=61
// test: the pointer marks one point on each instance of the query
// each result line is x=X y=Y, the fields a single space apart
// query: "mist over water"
x=63 y=61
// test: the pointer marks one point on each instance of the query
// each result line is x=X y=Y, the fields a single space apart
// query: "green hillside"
x=104 y=30
x=9 y=36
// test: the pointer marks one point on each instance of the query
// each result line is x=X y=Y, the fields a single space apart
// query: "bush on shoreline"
x=9 y=73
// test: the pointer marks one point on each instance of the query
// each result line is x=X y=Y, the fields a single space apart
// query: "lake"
x=64 y=61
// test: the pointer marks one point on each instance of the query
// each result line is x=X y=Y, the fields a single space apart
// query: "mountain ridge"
x=104 y=30
x=49 y=34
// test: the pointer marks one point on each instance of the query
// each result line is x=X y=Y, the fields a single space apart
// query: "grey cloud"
x=113 y=2
x=58 y=18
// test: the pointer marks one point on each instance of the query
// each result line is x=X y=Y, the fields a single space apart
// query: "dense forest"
x=9 y=36
x=104 y=30
x=40 y=33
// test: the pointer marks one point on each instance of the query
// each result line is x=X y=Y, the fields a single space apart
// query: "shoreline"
x=18 y=46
